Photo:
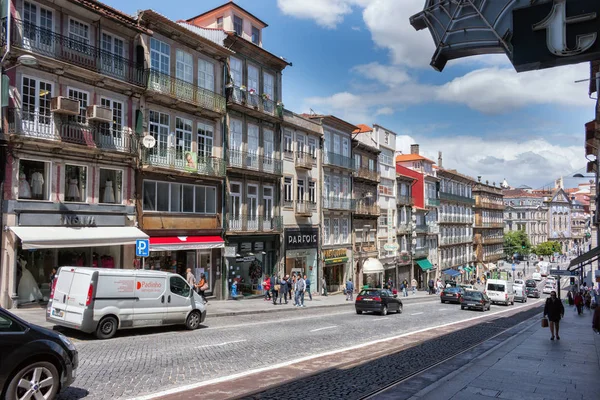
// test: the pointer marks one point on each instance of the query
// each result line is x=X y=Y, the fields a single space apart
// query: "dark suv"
x=531 y=289
x=36 y=362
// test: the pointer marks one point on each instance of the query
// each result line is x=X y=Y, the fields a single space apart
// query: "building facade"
x=526 y=211
x=405 y=204
x=488 y=229
x=559 y=219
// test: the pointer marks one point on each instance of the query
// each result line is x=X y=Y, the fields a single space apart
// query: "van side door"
x=179 y=300
x=150 y=307
x=80 y=296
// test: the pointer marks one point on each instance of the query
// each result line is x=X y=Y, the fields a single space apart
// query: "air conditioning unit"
x=64 y=105
x=99 y=114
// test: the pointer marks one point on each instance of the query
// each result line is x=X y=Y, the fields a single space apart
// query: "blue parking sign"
x=142 y=248
x=513 y=267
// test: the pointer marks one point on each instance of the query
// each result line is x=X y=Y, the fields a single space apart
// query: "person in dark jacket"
x=283 y=291
x=275 y=293
x=555 y=310
x=307 y=288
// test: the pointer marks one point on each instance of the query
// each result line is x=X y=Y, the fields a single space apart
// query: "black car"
x=452 y=294
x=474 y=299
x=532 y=292
x=377 y=300
x=530 y=283
x=35 y=362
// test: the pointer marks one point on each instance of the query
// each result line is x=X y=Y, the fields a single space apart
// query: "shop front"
x=249 y=260
x=301 y=246
x=336 y=268
x=403 y=264
x=178 y=253
x=38 y=243
x=423 y=271
x=373 y=273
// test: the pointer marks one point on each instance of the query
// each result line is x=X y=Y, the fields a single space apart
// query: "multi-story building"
x=456 y=222
x=580 y=226
x=253 y=93
x=366 y=177
x=301 y=196
x=525 y=211
x=182 y=174
x=405 y=204
x=559 y=207
x=488 y=230
x=75 y=80
x=337 y=200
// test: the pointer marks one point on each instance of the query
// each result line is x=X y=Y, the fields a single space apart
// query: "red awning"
x=185 y=243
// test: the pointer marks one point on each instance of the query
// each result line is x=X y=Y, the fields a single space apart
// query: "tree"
x=516 y=242
x=547 y=248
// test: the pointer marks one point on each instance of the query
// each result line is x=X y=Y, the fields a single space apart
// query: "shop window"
x=75 y=183
x=33 y=180
x=179 y=286
x=111 y=184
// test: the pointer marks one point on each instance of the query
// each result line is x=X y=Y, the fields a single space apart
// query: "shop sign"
x=303 y=238
x=230 y=251
x=391 y=246
x=245 y=259
x=335 y=256
x=246 y=247
x=338 y=260
x=71 y=220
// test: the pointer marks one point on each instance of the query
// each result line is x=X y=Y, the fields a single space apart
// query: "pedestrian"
x=588 y=300
x=570 y=298
x=275 y=288
x=52 y=276
x=390 y=284
x=203 y=287
x=349 y=290
x=405 y=288
x=440 y=286
x=555 y=311
x=413 y=284
x=324 y=283
x=478 y=280
x=431 y=285
x=299 y=291
x=284 y=289
x=267 y=288
x=307 y=281
x=578 y=302
x=190 y=278
x=290 y=282
x=596 y=320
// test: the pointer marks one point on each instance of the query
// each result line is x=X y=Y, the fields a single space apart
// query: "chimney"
x=414 y=149
x=440 y=159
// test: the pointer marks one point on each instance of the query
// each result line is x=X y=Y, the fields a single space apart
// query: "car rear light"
x=376 y=298
x=506 y=296
x=88 y=300
x=359 y=298
x=52 y=289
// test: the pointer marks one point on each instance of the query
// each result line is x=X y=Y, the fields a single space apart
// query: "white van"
x=500 y=291
x=536 y=276
x=103 y=300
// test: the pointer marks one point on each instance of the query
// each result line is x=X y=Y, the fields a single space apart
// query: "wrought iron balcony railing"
x=479 y=224
x=254 y=162
x=402 y=200
x=366 y=209
x=403 y=228
x=488 y=204
x=262 y=103
x=304 y=160
x=186 y=91
x=36 y=39
x=338 y=160
x=45 y=125
x=305 y=207
x=457 y=198
x=254 y=223
x=180 y=160
x=421 y=252
x=367 y=174
x=335 y=203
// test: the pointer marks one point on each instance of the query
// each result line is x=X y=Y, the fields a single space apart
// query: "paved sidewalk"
x=530 y=366
x=227 y=308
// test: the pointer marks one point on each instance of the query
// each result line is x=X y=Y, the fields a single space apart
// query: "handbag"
x=277 y=287
x=204 y=287
x=544 y=322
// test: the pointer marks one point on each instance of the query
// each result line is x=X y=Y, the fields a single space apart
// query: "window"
x=175 y=198
x=205 y=140
x=238 y=25
x=312 y=192
x=300 y=193
x=268 y=145
x=235 y=65
x=300 y=143
x=255 y=35
x=268 y=202
x=35 y=18
x=387 y=138
x=9 y=325
x=36 y=97
x=345 y=193
x=111 y=184
x=336 y=231
x=269 y=85
x=179 y=287
x=357 y=159
x=82 y=97
x=184 y=66
x=288 y=146
x=312 y=147
x=112 y=131
x=252 y=79
x=158 y=127
x=371 y=164
x=288 y=194
x=220 y=23
x=183 y=137
x=235 y=135
x=386 y=187
x=206 y=75
x=383 y=221
x=113 y=55
x=386 y=157
x=345 y=237
x=75 y=183
x=33 y=180
x=326 y=238
x=79 y=32
x=345 y=147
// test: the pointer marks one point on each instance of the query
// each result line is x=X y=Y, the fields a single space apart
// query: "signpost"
x=142 y=249
x=560 y=272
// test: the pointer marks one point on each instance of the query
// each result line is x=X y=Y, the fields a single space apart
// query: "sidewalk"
x=228 y=308
x=530 y=366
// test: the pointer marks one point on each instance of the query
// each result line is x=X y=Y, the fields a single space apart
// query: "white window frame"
x=326 y=231
x=312 y=191
x=159 y=136
x=161 y=55
x=300 y=190
x=269 y=89
x=206 y=127
x=288 y=189
x=82 y=108
x=115 y=133
x=78 y=36
x=235 y=72
x=184 y=66
x=206 y=74
x=156 y=182
x=35 y=123
x=122 y=171
x=336 y=226
x=288 y=142
x=312 y=147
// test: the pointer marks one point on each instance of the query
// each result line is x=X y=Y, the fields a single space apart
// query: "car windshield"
x=369 y=293
x=496 y=287
x=530 y=283
x=452 y=290
x=518 y=282
x=473 y=295
x=549 y=286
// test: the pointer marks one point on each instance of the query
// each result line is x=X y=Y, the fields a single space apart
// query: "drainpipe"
x=224 y=265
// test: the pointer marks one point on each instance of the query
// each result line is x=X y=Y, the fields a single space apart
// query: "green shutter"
x=4 y=86
x=139 y=122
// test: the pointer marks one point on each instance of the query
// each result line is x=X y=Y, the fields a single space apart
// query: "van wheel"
x=107 y=328
x=193 y=321
x=43 y=377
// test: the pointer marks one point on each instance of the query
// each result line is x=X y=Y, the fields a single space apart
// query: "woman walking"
x=202 y=287
x=579 y=302
x=283 y=289
x=555 y=310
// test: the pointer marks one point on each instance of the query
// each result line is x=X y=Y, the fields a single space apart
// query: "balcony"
x=304 y=160
x=44 y=42
x=489 y=224
x=455 y=219
x=175 y=159
x=404 y=201
x=422 y=228
x=243 y=223
x=452 y=240
x=403 y=229
x=488 y=205
x=305 y=208
x=367 y=209
x=338 y=160
x=259 y=106
x=456 y=198
x=421 y=252
x=335 y=203
x=252 y=162
x=181 y=90
x=432 y=202
x=53 y=128
x=366 y=174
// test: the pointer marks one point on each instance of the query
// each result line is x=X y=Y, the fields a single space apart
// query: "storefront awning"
x=51 y=237
x=373 y=266
x=425 y=264
x=490 y=266
x=585 y=257
x=451 y=272
x=166 y=243
x=468 y=269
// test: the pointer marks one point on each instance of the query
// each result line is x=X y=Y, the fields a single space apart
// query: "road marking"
x=221 y=344
x=197 y=385
x=417 y=313
x=381 y=319
x=322 y=329
x=443 y=309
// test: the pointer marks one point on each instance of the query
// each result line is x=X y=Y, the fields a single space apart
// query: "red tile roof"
x=412 y=157
x=512 y=193
x=362 y=128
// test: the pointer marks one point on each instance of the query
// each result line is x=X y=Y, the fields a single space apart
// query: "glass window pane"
x=188 y=198
x=75 y=183
x=149 y=196
x=211 y=200
x=200 y=199
x=162 y=193
x=33 y=180
x=175 y=197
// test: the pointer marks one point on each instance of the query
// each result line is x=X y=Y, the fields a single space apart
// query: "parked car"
x=531 y=283
x=520 y=293
x=548 y=288
x=500 y=291
x=377 y=300
x=452 y=294
x=474 y=299
x=532 y=292
x=103 y=300
x=35 y=362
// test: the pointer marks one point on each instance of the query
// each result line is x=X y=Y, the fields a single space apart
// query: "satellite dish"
x=148 y=141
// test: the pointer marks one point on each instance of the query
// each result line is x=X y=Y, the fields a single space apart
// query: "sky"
x=362 y=61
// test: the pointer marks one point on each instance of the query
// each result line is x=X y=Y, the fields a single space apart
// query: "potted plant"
x=243 y=88
x=280 y=109
x=265 y=96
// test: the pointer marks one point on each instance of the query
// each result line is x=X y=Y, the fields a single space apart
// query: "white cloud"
x=389 y=75
x=327 y=13
x=356 y=28
x=384 y=111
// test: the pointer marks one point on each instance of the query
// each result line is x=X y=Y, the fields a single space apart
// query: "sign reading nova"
x=303 y=238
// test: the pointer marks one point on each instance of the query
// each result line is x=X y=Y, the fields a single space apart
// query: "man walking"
x=413 y=283
x=299 y=288
x=349 y=290
x=190 y=278
x=274 y=286
x=307 y=281
x=405 y=288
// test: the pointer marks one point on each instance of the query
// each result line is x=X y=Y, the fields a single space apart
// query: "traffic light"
x=572 y=281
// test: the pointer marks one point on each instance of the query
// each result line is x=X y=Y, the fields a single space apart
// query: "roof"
x=412 y=157
x=362 y=128
x=112 y=13
x=333 y=121
x=514 y=193
x=456 y=173
x=230 y=3
x=255 y=50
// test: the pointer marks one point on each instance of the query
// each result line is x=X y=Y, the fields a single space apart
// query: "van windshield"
x=496 y=287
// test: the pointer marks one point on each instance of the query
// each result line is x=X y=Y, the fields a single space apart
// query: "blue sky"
x=362 y=61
